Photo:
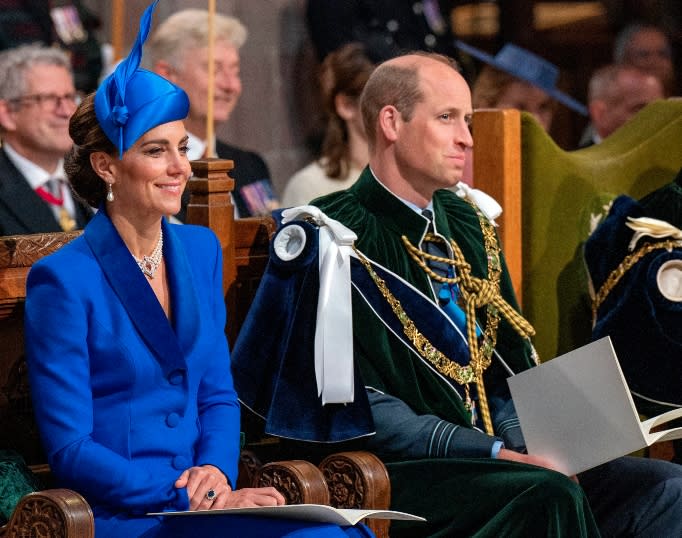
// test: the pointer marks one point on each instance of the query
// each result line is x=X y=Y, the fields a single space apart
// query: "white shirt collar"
x=35 y=175
x=413 y=207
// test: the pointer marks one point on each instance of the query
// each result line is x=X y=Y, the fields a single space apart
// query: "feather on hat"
x=131 y=101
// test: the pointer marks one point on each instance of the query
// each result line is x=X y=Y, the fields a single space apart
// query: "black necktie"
x=435 y=249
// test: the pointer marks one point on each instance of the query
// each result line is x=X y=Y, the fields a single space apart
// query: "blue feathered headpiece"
x=131 y=101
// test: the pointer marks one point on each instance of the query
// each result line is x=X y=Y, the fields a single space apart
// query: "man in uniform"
x=442 y=412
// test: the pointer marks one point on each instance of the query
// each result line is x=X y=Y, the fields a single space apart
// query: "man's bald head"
x=396 y=82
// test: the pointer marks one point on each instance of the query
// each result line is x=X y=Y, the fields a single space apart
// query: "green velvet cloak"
x=459 y=497
x=380 y=219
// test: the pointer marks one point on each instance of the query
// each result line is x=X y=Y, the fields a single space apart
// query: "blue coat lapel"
x=182 y=287
x=137 y=297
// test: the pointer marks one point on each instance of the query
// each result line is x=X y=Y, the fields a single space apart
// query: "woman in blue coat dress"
x=127 y=355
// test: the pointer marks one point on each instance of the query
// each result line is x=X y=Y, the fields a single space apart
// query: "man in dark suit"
x=178 y=50
x=37 y=98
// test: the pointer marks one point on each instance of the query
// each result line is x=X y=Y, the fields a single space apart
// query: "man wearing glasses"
x=37 y=98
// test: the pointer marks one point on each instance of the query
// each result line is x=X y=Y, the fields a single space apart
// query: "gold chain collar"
x=461 y=374
x=475 y=292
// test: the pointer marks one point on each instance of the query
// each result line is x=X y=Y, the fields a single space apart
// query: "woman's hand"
x=248 y=497
x=200 y=480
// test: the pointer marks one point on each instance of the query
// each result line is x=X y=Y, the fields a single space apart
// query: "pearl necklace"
x=149 y=264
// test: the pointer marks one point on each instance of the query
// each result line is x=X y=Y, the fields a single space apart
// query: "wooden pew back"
x=17 y=254
x=245 y=241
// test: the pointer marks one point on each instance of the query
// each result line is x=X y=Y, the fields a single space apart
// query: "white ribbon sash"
x=486 y=203
x=334 y=329
x=646 y=226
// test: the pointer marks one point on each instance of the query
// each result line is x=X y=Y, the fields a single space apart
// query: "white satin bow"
x=486 y=203
x=646 y=226
x=334 y=329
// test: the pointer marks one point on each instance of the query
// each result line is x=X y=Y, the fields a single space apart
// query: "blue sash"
x=434 y=324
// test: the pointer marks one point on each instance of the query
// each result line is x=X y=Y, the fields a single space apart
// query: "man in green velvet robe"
x=446 y=426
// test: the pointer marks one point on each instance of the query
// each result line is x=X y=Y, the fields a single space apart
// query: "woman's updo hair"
x=88 y=138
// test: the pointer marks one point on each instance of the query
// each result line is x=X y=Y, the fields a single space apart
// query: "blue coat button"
x=172 y=420
x=176 y=377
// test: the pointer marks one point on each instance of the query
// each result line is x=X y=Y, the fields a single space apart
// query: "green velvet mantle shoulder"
x=380 y=219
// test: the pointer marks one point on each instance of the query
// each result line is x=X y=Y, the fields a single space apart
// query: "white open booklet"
x=307 y=512
x=577 y=411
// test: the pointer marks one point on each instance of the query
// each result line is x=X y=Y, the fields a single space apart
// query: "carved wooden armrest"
x=359 y=479
x=51 y=513
x=249 y=464
x=299 y=481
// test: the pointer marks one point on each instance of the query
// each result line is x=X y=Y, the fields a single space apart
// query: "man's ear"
x=7 y=120
x=163 y=68
x=103 y=164
x=389 y=122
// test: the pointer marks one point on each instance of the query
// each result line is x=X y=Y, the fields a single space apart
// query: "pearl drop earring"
x=110 y=192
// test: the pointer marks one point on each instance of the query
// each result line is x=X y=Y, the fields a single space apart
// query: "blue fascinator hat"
x=131 y=101
x=527 y=66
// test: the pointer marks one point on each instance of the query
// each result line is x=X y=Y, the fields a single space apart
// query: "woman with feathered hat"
x=126 y=349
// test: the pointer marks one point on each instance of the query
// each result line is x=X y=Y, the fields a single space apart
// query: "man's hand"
x=510 y=455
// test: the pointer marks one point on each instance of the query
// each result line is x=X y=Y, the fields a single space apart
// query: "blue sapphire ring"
x=210 y=495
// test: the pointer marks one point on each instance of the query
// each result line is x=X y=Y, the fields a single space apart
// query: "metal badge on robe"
x=293 y=360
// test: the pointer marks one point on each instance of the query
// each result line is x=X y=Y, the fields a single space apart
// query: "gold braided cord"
x=628 y=262
x=475 y=293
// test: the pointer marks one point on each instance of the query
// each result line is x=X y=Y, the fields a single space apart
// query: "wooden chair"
x=51 y=512
x=346 y=480
x=551 y=197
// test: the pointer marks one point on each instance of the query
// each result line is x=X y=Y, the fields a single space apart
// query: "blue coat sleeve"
x=219 y=412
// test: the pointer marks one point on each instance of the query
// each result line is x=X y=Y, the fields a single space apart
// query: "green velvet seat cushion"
x=16 y=480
